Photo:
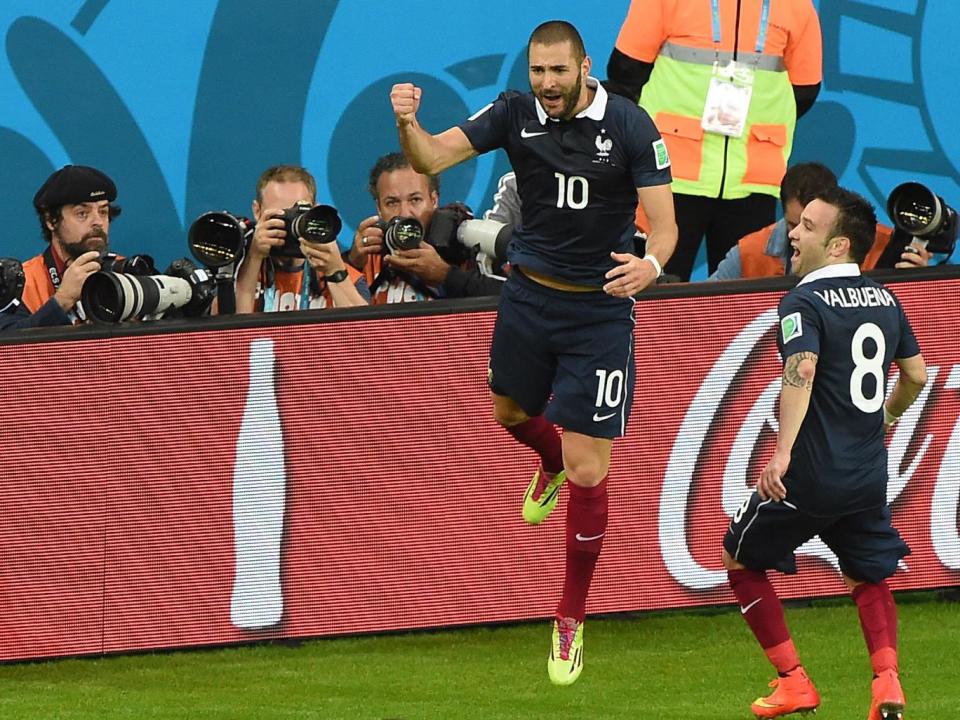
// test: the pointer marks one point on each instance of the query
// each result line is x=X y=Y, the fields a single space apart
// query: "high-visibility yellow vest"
x=705 y=163
x=678 y=36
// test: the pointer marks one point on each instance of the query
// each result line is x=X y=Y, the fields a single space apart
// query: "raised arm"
x=428 y=154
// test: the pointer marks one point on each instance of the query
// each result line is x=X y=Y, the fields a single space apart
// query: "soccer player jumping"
x=565 y=323
x=839 y=332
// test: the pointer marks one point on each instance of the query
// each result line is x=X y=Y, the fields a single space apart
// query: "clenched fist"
x=405 y=99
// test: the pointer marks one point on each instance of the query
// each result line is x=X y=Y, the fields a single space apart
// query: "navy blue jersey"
x=577 y=179
x=856 y=327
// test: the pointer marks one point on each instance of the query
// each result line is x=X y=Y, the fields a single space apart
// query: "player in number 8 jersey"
x=565 y=322
x=838 y=334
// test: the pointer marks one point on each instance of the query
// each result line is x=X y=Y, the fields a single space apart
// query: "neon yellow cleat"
x=566 y=652
x=538 y=502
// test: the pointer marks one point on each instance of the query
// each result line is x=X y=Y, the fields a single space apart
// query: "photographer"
x=74 y=209
x=270 y=283
x=420 y=273
x=767 y=252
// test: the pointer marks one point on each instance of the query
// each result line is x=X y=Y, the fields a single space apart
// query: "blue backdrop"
x=185 y=103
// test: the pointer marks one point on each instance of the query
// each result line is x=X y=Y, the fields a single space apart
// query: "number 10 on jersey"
x=572 y=192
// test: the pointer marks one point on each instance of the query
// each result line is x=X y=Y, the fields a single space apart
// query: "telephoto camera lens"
x=109 y=297
x=402 y=233
x=216 y=238
x=915 y=209
x=919 y=212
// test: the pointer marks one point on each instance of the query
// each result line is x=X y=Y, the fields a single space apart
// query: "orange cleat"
x=888 y=702
x=793 y=693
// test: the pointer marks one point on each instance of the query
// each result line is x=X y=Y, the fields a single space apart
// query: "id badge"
x=728 y=100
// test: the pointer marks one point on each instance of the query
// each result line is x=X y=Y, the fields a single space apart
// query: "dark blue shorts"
x=575 y=347
x=763 y=535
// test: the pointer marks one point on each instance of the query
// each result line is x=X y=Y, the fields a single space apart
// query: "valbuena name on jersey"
x=854 y=297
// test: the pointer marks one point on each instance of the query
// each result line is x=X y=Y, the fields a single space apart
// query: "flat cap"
x=74 y=184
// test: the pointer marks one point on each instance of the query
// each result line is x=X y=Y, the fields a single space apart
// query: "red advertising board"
x=340 y=477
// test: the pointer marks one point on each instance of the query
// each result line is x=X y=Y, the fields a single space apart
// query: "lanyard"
x=761 y=31
x=305 y=286
x=270 y=302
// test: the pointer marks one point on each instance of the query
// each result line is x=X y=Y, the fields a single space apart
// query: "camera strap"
x=387 y=275
x=53 y=269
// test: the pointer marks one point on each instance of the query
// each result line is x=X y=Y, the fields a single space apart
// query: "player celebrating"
x=565 y=322
x=839 y=332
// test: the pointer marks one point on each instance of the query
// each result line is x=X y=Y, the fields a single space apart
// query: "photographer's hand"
x=268 y=234
x=423 y=261
x=913 y=257
x=367 y=241
x=74 y=277
x=631 y=276
x=325 y=258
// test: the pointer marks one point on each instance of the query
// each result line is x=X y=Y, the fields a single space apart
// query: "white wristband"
x=888 y=417
x=656 y=263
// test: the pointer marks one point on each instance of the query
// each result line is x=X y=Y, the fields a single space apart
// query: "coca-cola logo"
x=705 y=442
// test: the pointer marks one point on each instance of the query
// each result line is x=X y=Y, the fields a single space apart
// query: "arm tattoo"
x=791 y=370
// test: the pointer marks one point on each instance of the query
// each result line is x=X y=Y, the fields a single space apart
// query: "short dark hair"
x=286 y=173
x=856 y=220
x=390 y=163
x=558 y=31
x=803 y=181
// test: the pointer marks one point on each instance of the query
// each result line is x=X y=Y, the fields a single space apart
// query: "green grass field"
x=670 y=666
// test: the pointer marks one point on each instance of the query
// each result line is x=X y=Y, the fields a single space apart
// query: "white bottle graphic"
x=259 y=495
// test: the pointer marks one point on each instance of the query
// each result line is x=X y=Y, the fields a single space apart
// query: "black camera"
x=400 y=233
x=444 y=236
x=920 y=214
x=133 y=265
x=313 y=223
x=12 y=281
x=112 y=297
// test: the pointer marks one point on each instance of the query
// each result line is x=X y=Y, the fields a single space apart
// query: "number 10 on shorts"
x=609 y=388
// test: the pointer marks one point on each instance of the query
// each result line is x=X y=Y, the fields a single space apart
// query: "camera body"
x=444 y=233
x=133 y=265
x=12 y=280
x=313 y=223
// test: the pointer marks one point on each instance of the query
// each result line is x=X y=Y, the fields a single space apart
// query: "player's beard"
x=96 y=239
x=570 y=99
